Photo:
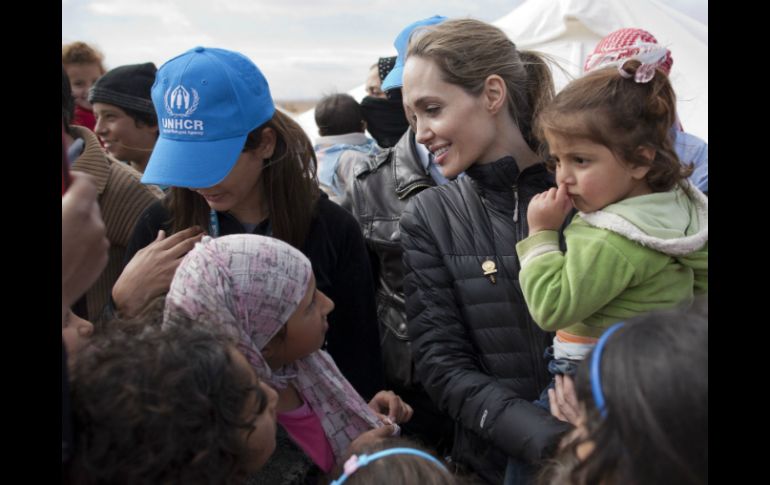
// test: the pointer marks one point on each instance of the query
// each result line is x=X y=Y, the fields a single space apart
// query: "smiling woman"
x=454 y=126
x=472 y=97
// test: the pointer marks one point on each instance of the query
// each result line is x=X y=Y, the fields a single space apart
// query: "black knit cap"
x=126 y=87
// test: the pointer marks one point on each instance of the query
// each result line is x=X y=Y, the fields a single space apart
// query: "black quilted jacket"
x=477 y=351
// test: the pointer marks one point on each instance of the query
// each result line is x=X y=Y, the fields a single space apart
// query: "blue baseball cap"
x=394 y=79
x=207 y=101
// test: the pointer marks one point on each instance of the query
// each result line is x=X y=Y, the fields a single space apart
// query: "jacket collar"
x=503 y=185
x=673 y=223
x=407 y=168
x=502 y=174
x=93 y=161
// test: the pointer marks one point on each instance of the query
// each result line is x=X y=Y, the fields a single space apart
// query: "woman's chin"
x=449 y=172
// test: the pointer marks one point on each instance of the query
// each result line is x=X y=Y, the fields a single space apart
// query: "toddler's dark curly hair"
x=161 y=407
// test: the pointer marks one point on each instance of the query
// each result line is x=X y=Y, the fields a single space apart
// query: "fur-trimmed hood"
x=674 y=222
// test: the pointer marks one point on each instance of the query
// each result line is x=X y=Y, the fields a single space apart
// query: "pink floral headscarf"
x=251 y=285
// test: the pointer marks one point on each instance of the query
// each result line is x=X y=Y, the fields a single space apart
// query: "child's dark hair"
x=623 y=115
x=654 y=379
x=151 y=315
x=161 y=407
x=338 y=114
x=396 y=468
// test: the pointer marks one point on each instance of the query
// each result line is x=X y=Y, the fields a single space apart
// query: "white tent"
x=568 y=30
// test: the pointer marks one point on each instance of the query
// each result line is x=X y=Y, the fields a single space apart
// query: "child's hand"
x=564 y=402
x=390 y=407
x=547 y=210
x=150 y=271
x=372 y=436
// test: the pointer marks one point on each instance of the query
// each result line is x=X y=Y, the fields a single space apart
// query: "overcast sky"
x=305 y=48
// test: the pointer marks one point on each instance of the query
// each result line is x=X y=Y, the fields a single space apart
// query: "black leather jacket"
x=379 y=195
x=477 y=351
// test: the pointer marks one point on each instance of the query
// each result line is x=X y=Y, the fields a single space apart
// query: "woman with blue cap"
x=237 y=165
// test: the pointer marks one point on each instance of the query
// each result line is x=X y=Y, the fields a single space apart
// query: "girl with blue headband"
x=640 y=404
x=393 y=460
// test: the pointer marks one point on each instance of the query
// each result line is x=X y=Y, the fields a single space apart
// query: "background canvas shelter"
x=568 y=31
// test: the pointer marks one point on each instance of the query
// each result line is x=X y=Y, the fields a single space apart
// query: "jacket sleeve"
x=152 y=219
x=447 y=363
x=564 y=288
x=345 y=176
x=699 y=262
x=353 y=331
x=125 y=200
x=145 y=231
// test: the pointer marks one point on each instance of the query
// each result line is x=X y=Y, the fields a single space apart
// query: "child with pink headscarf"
x=263 y=292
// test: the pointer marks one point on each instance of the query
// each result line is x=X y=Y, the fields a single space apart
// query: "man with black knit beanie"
x=126 y=122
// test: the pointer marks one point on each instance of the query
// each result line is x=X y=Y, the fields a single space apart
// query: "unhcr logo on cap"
x=178 y=104
x=178 y=99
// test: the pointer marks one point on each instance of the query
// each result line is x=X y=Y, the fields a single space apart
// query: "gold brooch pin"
x=489 y=270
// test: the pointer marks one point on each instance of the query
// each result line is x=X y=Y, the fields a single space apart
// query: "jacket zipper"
x=531 y=338
x=516 y=203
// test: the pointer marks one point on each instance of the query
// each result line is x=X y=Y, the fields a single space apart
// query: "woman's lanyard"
x=213 y=224
x=215 y=232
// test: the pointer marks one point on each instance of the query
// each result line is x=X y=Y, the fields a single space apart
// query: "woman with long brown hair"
x=235 y=165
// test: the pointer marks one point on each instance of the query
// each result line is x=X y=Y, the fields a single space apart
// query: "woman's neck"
x=512 y=143
x=518 y=147
x=251 y=210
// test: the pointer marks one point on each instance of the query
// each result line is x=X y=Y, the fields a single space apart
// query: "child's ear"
x=268 y=352
x=639 y=172
x=494 y=93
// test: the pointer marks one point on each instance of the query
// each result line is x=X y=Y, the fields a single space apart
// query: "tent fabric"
x=568 y=31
